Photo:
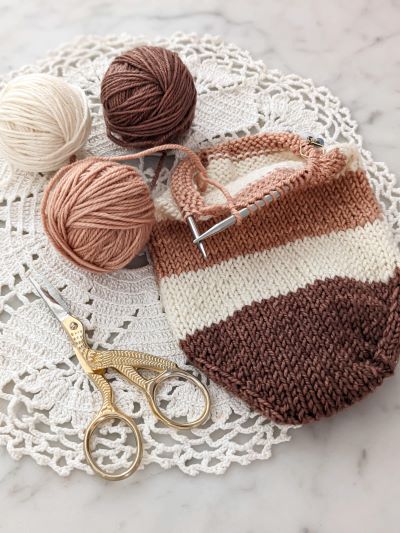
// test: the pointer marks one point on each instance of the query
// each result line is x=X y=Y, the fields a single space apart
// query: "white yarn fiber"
x=43 y=121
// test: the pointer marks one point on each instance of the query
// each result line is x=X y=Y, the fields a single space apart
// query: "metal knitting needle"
x=231 y=220
x=195 y=232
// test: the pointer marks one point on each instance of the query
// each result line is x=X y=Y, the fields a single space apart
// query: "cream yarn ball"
x=43 y=122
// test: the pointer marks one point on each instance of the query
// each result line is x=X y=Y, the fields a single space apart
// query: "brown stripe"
x=340 y=204
x=300 y=357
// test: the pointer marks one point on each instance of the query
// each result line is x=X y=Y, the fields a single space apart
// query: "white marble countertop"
x=340 y=475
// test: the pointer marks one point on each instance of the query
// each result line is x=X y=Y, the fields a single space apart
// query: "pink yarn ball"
x=98 y=213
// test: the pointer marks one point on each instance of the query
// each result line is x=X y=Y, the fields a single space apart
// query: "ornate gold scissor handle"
x=109 y=411
x=126 y=362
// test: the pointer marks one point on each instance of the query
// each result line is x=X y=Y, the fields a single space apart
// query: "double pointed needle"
x=196 y=235
x=244 y=212
x=231 y=220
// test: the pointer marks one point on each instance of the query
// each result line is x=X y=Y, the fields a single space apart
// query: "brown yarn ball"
x=148 y=97
x=98 y=213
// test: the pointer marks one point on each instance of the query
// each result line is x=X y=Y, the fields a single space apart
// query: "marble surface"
x=340 y=475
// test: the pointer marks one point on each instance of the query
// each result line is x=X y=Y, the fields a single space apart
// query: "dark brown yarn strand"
x=148 y=97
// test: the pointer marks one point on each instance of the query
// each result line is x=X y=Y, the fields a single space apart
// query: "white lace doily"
x=46 y=400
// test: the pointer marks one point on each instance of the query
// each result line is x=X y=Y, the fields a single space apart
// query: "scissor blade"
x=52 y=298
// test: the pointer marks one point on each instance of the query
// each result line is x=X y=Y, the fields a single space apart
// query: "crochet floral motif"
x=46 y=400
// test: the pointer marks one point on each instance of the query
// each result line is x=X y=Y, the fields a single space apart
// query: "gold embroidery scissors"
x=127 y=363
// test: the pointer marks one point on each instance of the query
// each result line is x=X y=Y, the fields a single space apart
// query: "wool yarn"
x=98 y=213
x=43 y=122
x=148 y=97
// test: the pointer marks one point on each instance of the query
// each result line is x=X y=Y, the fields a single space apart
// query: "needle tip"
x=200 y=246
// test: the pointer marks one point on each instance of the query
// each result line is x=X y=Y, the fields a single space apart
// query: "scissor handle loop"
x=151 y=390
x=112 y=414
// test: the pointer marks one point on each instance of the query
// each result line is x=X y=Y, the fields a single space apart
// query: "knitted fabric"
x=296 y=309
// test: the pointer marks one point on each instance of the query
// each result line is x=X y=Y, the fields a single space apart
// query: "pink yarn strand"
x=195 y=159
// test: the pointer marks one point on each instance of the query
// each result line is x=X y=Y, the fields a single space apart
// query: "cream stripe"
x=234 y=174
x=194 y=300
x=228 y=169
x=215 y=196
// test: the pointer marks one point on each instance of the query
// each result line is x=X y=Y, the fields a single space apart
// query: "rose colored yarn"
x=148 y=96
x=98 y=213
